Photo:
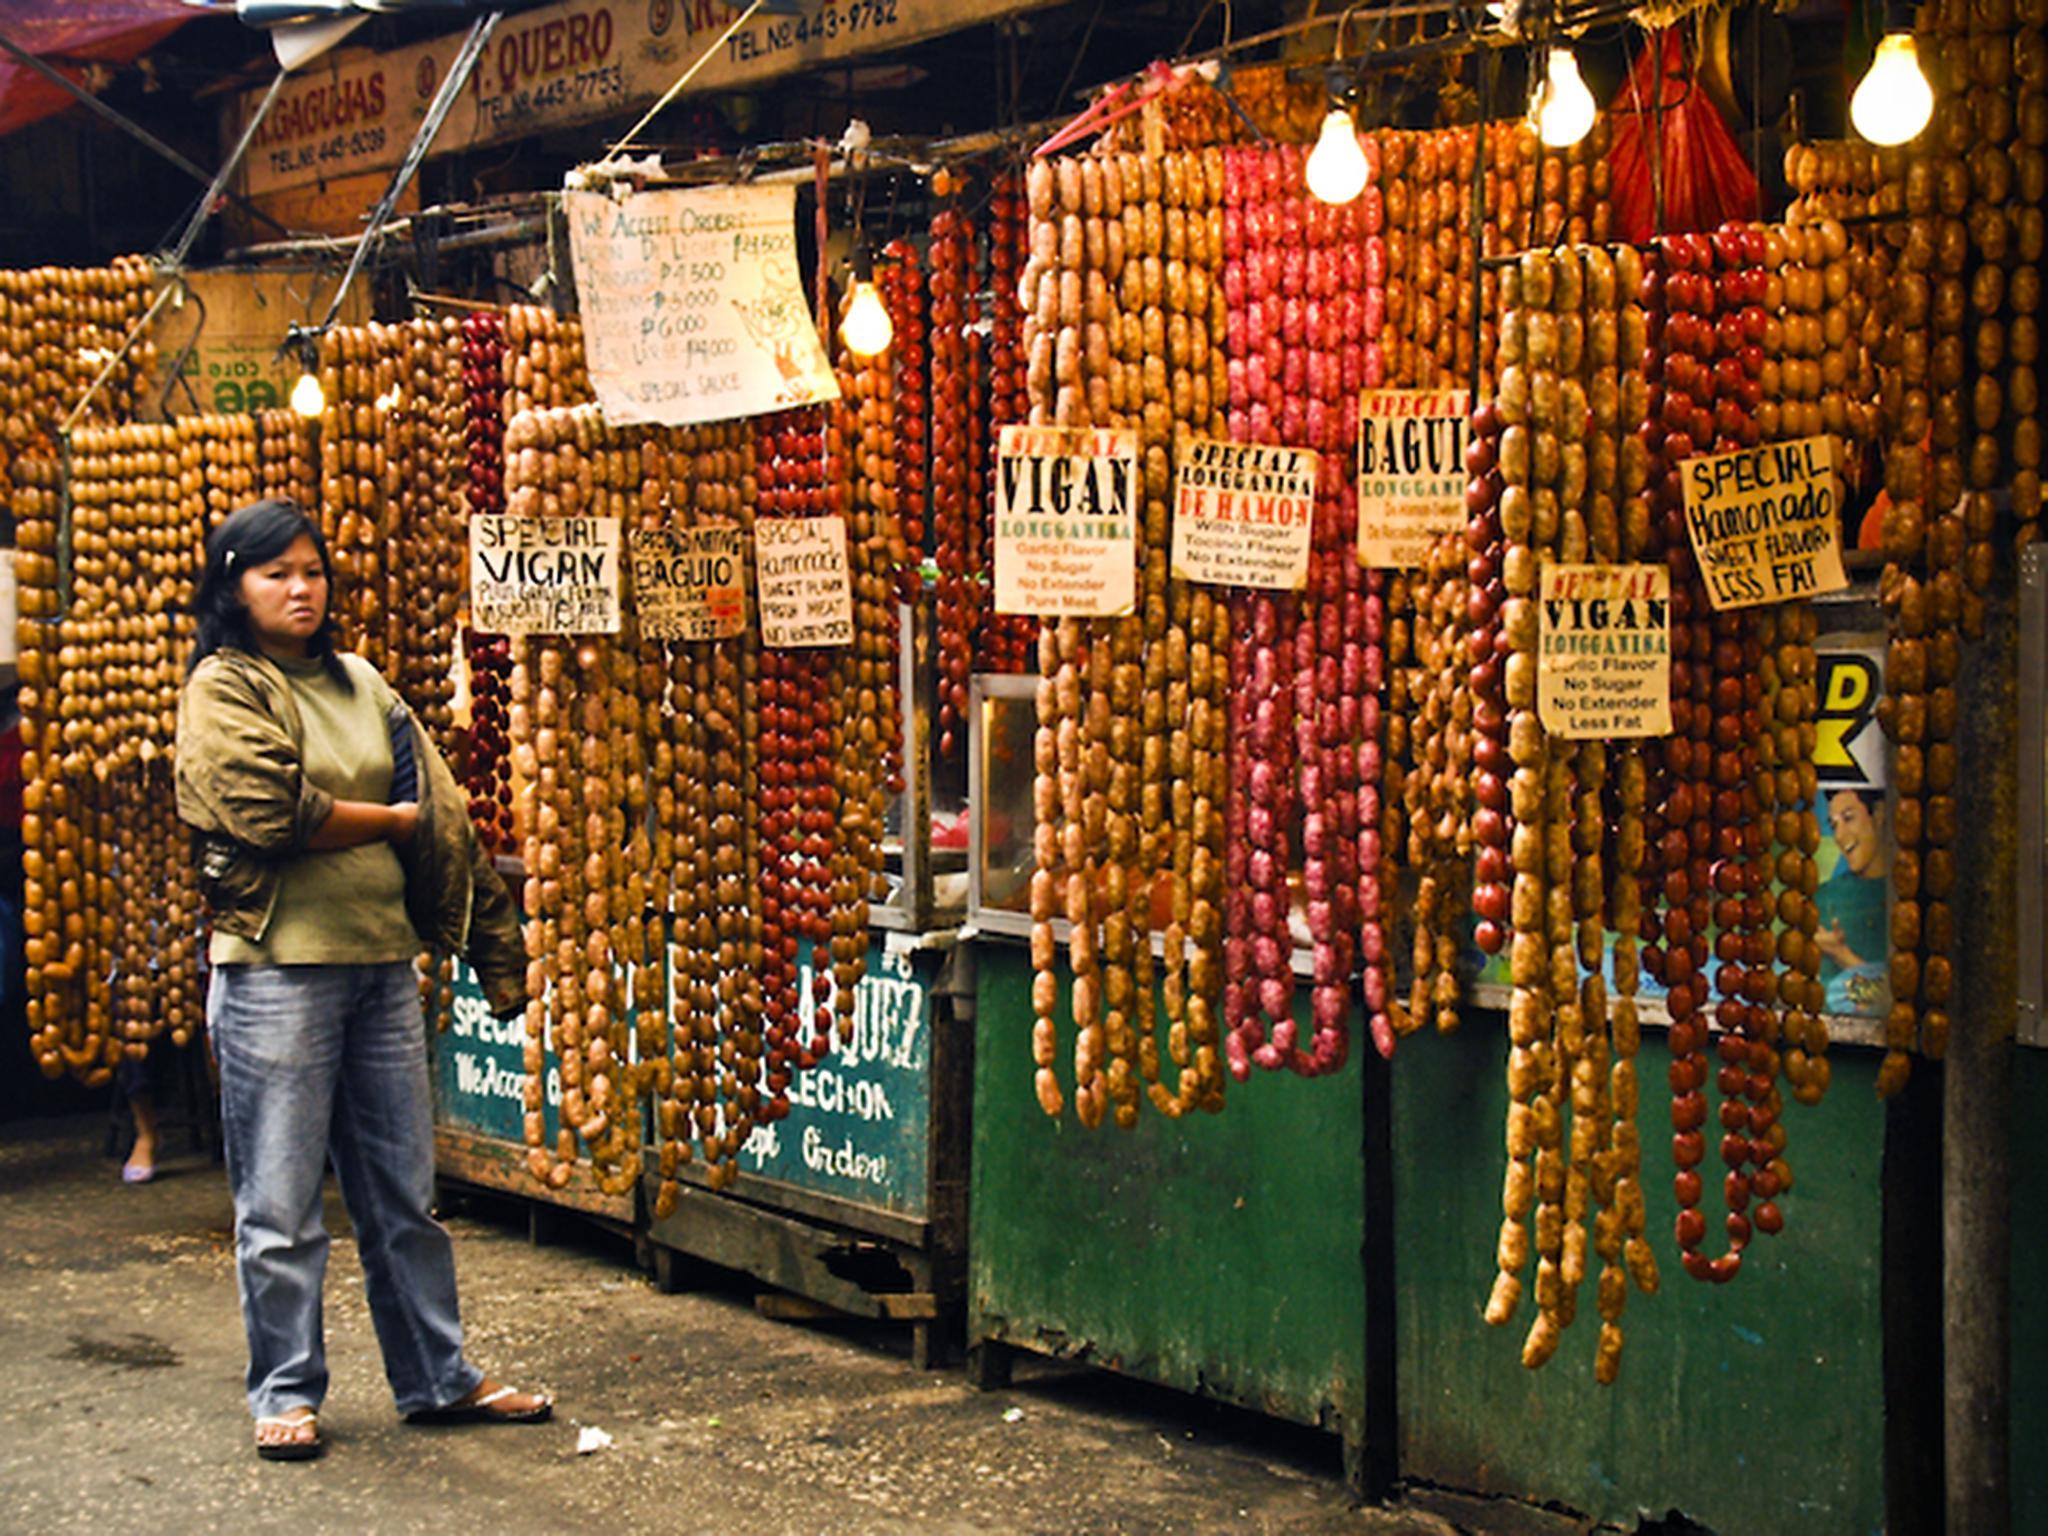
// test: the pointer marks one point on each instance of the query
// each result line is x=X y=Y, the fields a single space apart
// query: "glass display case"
x=925 y=834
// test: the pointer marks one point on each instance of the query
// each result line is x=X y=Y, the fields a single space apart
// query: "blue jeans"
x=330 y=1061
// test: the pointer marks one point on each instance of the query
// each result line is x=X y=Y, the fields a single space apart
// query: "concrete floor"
x=120 y=1397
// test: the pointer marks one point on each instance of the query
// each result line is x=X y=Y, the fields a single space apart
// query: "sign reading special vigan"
x=693 y=305
x=805 y=586
x=1765 y=522
x=1243 y=513
x=556 y=66
x=689 y=583
x=544 y=575
x=1603 y=661
x=1067 y=522
x=1411 y=472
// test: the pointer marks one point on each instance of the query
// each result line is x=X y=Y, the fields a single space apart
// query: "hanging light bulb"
x=1563 y=109
x=1894 y=101
x=1337 y=170
x=308 y=399
x=866 y=327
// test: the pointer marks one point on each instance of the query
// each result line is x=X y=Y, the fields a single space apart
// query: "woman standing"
x=316 y=868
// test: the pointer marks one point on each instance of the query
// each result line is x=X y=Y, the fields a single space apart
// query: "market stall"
x=1361 y=740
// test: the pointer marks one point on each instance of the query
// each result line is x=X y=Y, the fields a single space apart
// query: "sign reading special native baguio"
x=1067 y=522
x=1765 y=522
x=1411 y=472
x=1243 y=514
x=804 y=585
x=1603 y=660
x=544 y=575
x=689 y=583
x=693 y=305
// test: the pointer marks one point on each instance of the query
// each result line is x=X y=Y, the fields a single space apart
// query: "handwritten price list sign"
x=1242 y=514
x=693 y=305
x=1603 y=664
x=1411 y=472
x=689 y=583
x=1067 y=522
x=544 y=575
x=1765 y=522
x=805 y=590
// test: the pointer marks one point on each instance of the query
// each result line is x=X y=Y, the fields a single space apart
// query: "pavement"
x=121 y=1400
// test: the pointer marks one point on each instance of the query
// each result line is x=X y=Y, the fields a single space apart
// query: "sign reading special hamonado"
x=1411 y=472
x=1765 y=522
x=1066 y=522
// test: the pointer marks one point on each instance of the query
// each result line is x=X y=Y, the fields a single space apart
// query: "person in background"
x=332 y=845
x=1853 y=923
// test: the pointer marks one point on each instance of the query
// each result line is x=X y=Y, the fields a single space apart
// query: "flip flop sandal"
x=133 y=1175
x=482 y=1412
x=292 y=1450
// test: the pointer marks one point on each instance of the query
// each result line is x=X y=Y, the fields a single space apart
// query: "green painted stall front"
x=2029 y=1290
x=1223 y=1255
x=1216 y=1254
x=1756 y=1406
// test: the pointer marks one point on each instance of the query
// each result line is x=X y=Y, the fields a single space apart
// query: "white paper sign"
x=804 y=584
x=544 y=575
x=689 y=583
x=1603 y=664
x=1243 y=514
x=693 y=305
x=1411 y=473
x=1067 y=522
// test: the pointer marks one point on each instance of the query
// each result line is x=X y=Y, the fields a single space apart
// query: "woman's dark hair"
x=246 y=538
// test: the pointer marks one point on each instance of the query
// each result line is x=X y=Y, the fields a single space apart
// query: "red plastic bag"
x=1706 y=180
x=100 y=31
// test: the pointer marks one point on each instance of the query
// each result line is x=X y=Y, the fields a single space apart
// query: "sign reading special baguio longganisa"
x=693 y=305
x=1411 y=472
x=1243 y=514
x=544 y=575
x=1066 y=522
x=556 y=66
x=1765 y=522
x=689 y=583
x=1603 y=659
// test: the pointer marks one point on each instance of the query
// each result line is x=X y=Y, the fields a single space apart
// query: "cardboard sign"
x=1243 y=514
x=693 y=305
x=1603 y=662
x=806 y=591
x=555 y=66
x=689 y=583
x=1765 y=523
x=544 y=575
x=1067 y=522
x=233 y=365
x=1411 y=472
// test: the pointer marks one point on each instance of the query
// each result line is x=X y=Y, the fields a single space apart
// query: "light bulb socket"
x=863 y=261
x=1340 y=83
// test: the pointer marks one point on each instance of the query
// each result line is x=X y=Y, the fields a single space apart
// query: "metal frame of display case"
x=2032 y=932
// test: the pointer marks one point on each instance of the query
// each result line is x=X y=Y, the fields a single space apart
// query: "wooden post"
x=1977 y=1096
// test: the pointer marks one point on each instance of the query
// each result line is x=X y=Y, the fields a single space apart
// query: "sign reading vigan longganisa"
x=1067 y=522
x=1243 y=514
x=1603 y=662
x=1765 y=523
x=544 y=575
